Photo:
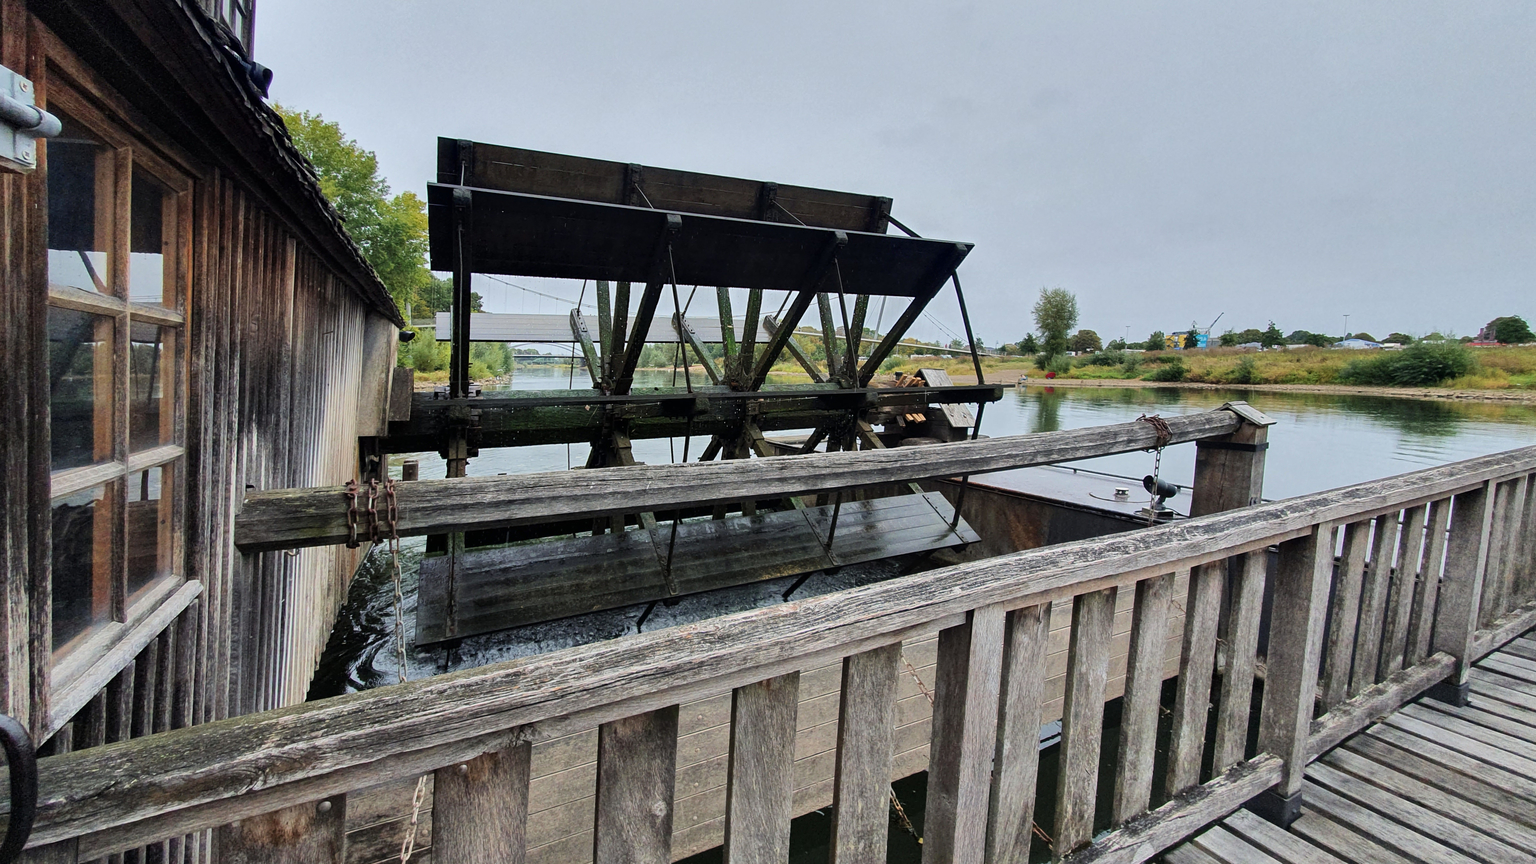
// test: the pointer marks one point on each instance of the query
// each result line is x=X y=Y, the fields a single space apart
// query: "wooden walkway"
x=1431 y=783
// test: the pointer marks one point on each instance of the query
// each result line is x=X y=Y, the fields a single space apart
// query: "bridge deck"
x=1431 y=783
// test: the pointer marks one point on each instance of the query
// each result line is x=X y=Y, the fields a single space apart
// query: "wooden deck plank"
x=1394 y=783
x=1507 y=743
x=1515 y=667
x=1477 y=749
x=1432 y=766
x=1349 y=845
x=1520 y=648
x=1188 y=854
x=1380 y=829
x=1488 y=720
x=1490 y=690
x=1277 y=841
x=1227 y=846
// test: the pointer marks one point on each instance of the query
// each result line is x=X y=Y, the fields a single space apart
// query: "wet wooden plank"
x=636 y=770
x=760 y=790
x=862 y=786
x=1016 y=764
x=480 y=808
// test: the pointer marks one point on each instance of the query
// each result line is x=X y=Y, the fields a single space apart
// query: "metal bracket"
x=22 y=122
x=1249 y=413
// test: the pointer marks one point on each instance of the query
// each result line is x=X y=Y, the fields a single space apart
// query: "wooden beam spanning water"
x=294 y=518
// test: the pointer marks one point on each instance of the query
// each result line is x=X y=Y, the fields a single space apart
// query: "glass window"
x=80 y=387
x=81 y=209
x=150 y=545
x=151 y=380
x=82 y=562
x=152 y=226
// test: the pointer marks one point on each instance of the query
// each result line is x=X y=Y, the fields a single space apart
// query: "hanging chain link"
x=1164 y=435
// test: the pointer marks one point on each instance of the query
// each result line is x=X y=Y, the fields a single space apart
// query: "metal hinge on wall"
x=21 y=122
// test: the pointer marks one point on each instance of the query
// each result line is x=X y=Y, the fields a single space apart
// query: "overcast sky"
x=1167 y=162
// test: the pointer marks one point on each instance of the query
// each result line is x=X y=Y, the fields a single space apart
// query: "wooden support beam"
x=760 y=783
x=744 y=361
x=293 y=518
x=771 y=327
x=866 y=724
x=688 y=336
x=932 y=283
x=829 y=337
x=480 y=808
x=624 y=376
x=964 y=738
x=588 y=350
x=613 y=351
x=855 y=337
x=727 y=324
x=636 y=773
x=604 y=327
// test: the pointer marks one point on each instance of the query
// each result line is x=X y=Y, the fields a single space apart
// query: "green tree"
x=1086 y=341
x=1229 y=339
x=1401 y=338
x=390 y=229
x=1156 y=342
x=1271 y=336
x=1055 y=316
x=1029 y=345
x=1511 y=330
x=436 y=295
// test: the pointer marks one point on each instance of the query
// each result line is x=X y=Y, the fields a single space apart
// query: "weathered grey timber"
x=1373 y=602
x=480 y=808
x=1404 y=578
x=760 y=791
x=1466 y=556
x=184 y=780
x=1192 y=704
x=862 y=786
x=296 y=518
x=636 y=770
x=1242 y=653
x=1431 y=782
x=1082 y=716
x=965 y=706
x=310 y=833
x=1344 y=616
x=1016 y=763
x=1143 y=696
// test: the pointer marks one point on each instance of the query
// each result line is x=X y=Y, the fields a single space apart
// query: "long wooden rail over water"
x=1461 y=537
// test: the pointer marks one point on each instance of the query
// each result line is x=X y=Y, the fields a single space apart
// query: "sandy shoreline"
x=1523 y=397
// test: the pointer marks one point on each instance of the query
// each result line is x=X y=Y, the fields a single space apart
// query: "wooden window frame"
x=79 y=668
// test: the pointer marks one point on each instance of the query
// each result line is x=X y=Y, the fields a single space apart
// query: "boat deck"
x=1430 y=783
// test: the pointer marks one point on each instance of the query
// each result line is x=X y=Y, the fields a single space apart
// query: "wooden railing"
x=1461 y=537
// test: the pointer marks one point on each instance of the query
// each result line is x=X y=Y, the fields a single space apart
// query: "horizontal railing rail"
x=992 y=617
x=293 y=518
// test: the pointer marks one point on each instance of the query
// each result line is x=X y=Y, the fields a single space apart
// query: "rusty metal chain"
x=373 y=513
x=1164 y=435
x=351 y=514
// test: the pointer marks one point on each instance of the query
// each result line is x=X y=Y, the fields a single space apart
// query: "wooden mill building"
x=184 y=319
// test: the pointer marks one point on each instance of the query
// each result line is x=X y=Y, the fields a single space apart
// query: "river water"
x=1319 y=442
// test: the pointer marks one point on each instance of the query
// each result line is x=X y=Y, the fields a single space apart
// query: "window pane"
x=152 y=234
x=80 y=387
x=82 y=563
x=80 y=211
x=150 y=545
x=151 y=385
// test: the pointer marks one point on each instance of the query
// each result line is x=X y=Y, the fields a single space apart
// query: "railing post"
x=480 y=808
x=312 y=833
x=866 y=723
x=1461 y=586
x=1229 y=470
x=1016 y=762
x=1302 y=581
x=760 y=782
x=964 y=738
x=636 y=782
